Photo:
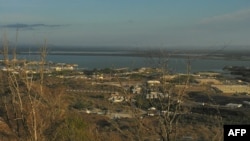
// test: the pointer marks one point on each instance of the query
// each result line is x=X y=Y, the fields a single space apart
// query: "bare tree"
x=25 y=101
x=170 y=100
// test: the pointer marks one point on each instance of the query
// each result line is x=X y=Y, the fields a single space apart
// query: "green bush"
x=81 y=105
x=74 y=128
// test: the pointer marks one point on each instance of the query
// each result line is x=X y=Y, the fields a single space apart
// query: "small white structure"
x=116 y=98
x=120 y=115
x=152 y=108
x=95 y=111
x=153 y=82
x=233 y=105
x=152 y=111
x=156 y=95
x=136 y=90
x=63 y=66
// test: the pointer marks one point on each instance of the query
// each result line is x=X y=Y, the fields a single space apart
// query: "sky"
x=127 y=23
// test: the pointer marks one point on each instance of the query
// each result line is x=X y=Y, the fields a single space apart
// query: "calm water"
x=177 y=65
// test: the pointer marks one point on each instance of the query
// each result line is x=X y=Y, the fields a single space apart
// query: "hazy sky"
x=151 y=23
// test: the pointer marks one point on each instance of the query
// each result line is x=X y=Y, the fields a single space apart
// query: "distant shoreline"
x=88 y=53
x=144 y=54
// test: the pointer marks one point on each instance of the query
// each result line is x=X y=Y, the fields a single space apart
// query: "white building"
x=136 y=90
x=153 y=82
x=233 y=105
x=116 y=98
x=155 y=95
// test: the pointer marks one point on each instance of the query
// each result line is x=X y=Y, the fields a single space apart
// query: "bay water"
x=175 y=64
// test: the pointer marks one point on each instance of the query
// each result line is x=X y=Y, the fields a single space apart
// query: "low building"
x=136 y=89
x=119 y=115
x=63 y=66
x=168 y=77
x=153 y=82
x=152 y=111
x=115 y=97
x=208 y=74
x=156 y=95
x=233 y=105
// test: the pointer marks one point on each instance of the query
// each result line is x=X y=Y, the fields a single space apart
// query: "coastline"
x=145 y=54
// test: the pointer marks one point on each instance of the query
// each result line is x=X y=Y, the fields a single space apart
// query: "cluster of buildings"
x=34 y=67
x=150 y=89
